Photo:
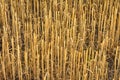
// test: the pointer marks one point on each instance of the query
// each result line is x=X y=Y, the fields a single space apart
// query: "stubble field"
x=59 y=39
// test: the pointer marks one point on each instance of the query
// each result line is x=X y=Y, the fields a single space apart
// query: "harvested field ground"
x=59 y=39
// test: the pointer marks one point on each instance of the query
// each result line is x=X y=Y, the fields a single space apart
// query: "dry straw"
x=59 y=40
